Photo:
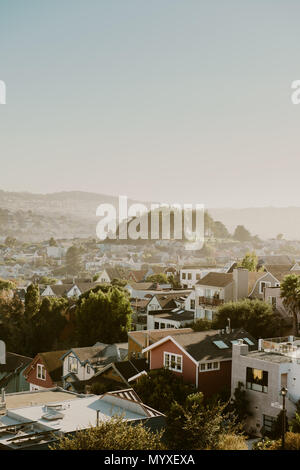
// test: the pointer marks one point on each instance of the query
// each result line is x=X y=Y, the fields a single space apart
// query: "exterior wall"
x=133 y=348
x=153 y=305
x=82 y=370
x=33 y=379
x=272 y=296
x=215 y=381
x=17 y=382
x=191 y=297
x=152 y=319
x=240 y=283
x=255 y=294
x=103 y=277
x=190 y=283
x=188 y=366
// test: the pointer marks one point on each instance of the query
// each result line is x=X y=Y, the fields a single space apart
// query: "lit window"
x=257 y=380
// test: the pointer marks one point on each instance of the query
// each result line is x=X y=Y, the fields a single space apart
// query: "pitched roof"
x=53 y=363
x=138 y=275
x=169 y=314
x=216 y=279
x=95 y=355
x=142 y=285
x=200 y=345
x=131 y=367
x=275 y=259
x=253 y=278
x=142 y=337
x=14 y=361
x=167 y=300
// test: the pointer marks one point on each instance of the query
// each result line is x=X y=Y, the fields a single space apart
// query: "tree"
x=52 y=242
x=32 y=301
x=255 y=316
x=73 y=260
x=48 y=323
x=160 y=387
x=197 y=426
x=103 y=315
x=279 y=236
x=201 y=325
x=239 y=403
x=290 y=294
x=242 y=234
x=159 y=278
x=249 y=262
x=115 y=434
x=219 y=230
x=6 y=285
x=175 y=283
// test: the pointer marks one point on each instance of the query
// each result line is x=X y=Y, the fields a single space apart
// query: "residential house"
x=138 y=340
x=81 y=364
x=200 y=358
x=176 y=317
x=45 y=370
x=121 y=373
x=263 y=372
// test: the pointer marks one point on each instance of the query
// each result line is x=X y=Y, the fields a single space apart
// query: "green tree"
x=32 y=301
x=175 y=283
x=6 y=285
x=103 y=315
x=290 y=294
x=197 y=426
x=249 y=261
x=48 y=323
x=201 y=325
x=73 y=260
x=159 y=278
x=242 y=234
x=160 y=387
x=52 y=242
x=115 y=434
x=219 y=230
x=255 y=316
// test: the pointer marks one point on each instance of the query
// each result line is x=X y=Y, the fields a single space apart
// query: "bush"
x=116 y=434
x=232 y=442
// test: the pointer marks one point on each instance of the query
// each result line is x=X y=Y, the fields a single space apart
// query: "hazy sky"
x=170 y=100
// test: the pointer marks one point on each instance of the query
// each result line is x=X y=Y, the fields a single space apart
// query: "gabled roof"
x=200 y=346
x=95 y=355
x=145 y=337
x=138 y=275
x=14 y=361
x=216 y=279
x=253 y=278
x=52 y=362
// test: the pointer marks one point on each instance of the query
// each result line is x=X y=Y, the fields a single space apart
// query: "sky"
x=162 y=100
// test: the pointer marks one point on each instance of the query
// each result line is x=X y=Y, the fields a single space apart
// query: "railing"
x=214 y=301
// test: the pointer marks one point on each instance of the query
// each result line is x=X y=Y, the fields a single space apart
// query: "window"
x=263 y=285
x=183 y=275
x=206 y=366
x=257 y=380
x=88 y=369
x=73 y=364
x=173 y=361
x=41 y=372
x=156 y=325
x=198 y=277
x=208 y=315
x=189 y=276
x=162 y=325
x=192 y=304
x=207 y=292
x=221 y=344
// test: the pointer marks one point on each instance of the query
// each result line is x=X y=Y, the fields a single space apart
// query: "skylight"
x=221 y=344
x=235 y=341
x=248 y=341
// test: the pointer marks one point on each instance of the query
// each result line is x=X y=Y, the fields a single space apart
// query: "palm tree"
x=290 y=294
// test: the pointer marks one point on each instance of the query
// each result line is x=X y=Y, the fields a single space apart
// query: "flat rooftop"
x=269 y=356
x=40 y=397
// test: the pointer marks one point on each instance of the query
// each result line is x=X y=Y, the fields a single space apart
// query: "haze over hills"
x=73 y=214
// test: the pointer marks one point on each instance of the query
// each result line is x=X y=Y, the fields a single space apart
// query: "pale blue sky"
x=170 y=100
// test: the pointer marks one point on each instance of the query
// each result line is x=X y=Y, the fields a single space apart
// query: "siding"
x=215 y=381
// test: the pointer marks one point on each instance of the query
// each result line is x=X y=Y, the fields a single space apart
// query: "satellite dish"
x=2 y=352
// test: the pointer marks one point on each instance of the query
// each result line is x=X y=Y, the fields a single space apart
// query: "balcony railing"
x=213 y=301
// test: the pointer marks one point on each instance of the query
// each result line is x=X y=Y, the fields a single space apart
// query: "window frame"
x=177 y=356
x=43 y=369
x=206 y=369
x=69 y=368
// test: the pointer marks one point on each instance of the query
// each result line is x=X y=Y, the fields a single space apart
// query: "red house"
x=45 y=370
x=200 y=358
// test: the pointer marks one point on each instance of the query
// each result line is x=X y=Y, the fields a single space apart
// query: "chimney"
x=260 y=343
x=2 y=352
x=240 y=283
x=240 y=349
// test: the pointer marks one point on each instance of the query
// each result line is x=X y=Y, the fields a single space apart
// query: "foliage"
x=159 y=278
x=49 y=281
x=116 y=434
x=160 y=387
x=103 y=315
x=292 y=442
x=202 y=426
x=73 y=260
x=255 y=316
x=295 y=422
x=175 y=283
x=231 y=442
x=6 y=285
x=52 y=242
x=249 y=261
x=239 y=403
x=32 y=301
x=242 y=234
x=202 y=325
x=290 y=294
x=277 y=426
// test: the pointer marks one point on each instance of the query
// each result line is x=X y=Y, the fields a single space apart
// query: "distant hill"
x=266 y=222
x=73 y=214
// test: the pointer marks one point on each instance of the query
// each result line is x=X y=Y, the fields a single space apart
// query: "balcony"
x=212 y=301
